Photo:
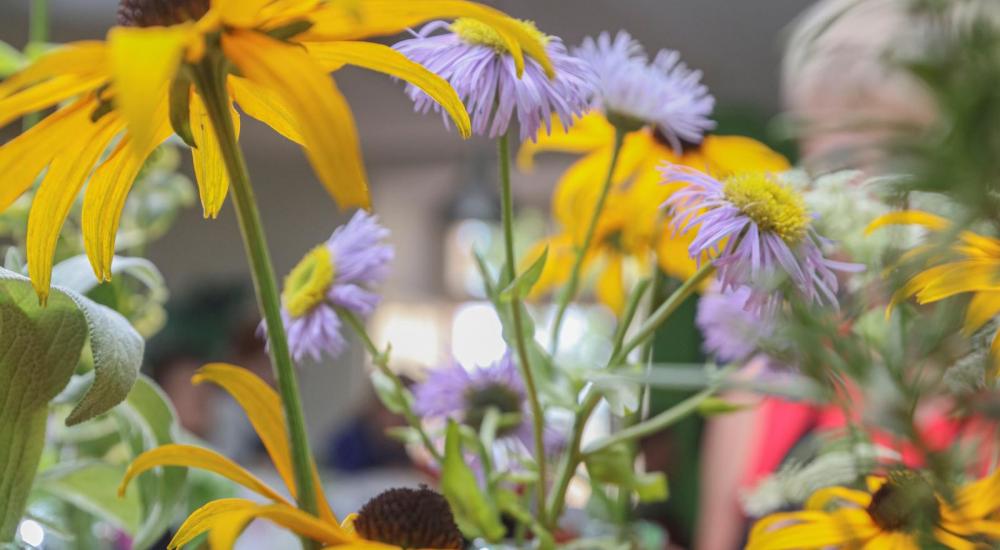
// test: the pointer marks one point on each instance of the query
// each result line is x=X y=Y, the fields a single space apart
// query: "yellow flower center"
x=476 y=32
x=774 y=207
x=307 y=284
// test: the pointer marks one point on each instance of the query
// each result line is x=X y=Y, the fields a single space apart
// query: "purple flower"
x=473 y=58
x=665 y=94
x=732 y=333
x=758 y=233
x=465 y=395
x=339 y=273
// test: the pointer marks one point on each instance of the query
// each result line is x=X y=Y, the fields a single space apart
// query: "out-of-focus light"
x=476 y=335
x=31 y=533
x=416 y=331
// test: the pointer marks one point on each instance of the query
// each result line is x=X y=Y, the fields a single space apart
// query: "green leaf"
x=511 y=504
x=76 y=274
x=92 y=486
x=714 y=406
x=523 y=283
x=149 y=420
x=387 y=392
x=475 y=513
x=615 y=465
x=11 y=60
x=39 y=349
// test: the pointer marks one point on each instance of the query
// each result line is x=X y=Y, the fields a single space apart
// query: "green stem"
x=537 y=414
x=38 y=34
x=211 y=85
x=381 y=362
x=572 y=286
x=592 y=397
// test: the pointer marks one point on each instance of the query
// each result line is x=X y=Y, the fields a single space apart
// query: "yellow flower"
x=974 y=269
x=149 y=79
x=226 y=518
x=894 y=513
x=631 y=228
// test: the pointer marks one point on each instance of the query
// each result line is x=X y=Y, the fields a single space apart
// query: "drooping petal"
x=204 y=519
x=265 y=106
x=209 y=165
x=610 y=285
x=105 y=196
x=962 y=277
x=320 y=110
x=364 y=18
x=191 y=456
x=76 y=58
x=143 y=62
x=381 y=58
x=908 y=217
x=25 y=156
x=44 y=95
x=263 y=408
x=983 y=307
x=590 y=132
x=57 y=192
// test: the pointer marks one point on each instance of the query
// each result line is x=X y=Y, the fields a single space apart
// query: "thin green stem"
x=210 y=80
x=380 y=360
x=572 y=286
x=38 y=34
x=537 y=414
x=591 y=397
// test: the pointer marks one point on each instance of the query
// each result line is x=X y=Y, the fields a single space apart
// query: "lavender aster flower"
x=474 y=59
x=338 y=273
x=758 y=232
x=466 y=395
x=665 y=94
x=732 y=333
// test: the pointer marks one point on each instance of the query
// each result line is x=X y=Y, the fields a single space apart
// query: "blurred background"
x=427 y=185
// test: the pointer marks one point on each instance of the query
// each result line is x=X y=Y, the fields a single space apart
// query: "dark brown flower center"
x=409 y=518
x=478 y=402
x=149 y=13
x=906 y=502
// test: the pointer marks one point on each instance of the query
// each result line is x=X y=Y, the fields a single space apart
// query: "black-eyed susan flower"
x=476 y=61
x=757 y=232
x=898 y=512
x=396 y=519
x=973 y=267
x=164 y=68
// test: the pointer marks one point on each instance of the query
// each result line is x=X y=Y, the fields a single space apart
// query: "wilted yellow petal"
x=25 y=156
x=265 y=106
x=85 y=58
x=143 y=62
x=364 y=18
x=204 y=519
x=209 y=164
x=197 y=457
x=384 y=59
x=57 y=192
x=320 y=111
x=908 y=217
x=588 y=133
x=45 y=95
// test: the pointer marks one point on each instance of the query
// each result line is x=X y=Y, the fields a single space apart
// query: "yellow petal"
x=588 y=133
x=364 y=18
x=824 y=497
x=953 y=542
x=381 y=58
x=265 y=106
x=25 y=156
x=204 y=519
x=908 y=217
x=57 y=192
x=105 y=196
x=892 y=540
x=76 y=58
x=45 y=95
x=818 y=530
x=962 y=277
x=226 y=525
x=144 y=61
x=209 y=165
x=727 y=155
x=197 y=457
x=239 y=13
x=982 y=307
x=319 y=109
x=610 y=286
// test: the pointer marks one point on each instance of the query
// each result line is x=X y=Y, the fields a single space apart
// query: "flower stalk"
x=538 y=415
x=568 y=293
x=209 y=77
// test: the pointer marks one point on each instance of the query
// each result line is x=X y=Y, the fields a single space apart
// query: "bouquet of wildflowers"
x=858 y=305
